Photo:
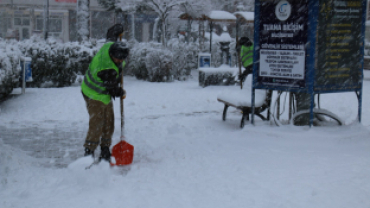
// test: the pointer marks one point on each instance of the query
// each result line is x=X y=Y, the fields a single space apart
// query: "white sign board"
x=289 y=64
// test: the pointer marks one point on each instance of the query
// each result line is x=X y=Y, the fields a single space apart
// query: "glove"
x=118 y=92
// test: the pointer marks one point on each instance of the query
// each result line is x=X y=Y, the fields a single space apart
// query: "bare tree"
x=163 y=9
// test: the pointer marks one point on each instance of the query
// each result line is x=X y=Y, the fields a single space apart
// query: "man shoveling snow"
x=100 y=85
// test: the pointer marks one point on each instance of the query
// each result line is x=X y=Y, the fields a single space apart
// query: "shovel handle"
x=122 y=112
x=122 y=106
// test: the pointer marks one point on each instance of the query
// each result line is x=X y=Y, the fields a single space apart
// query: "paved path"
x=57 y=145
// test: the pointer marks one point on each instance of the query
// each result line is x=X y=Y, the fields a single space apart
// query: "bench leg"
x=244 y=117
x=225 y=112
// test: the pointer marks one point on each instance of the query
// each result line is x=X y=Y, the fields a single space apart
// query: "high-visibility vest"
x=92 y=86
x=247 y=55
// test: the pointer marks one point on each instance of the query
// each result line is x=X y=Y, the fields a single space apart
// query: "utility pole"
x=46 y=19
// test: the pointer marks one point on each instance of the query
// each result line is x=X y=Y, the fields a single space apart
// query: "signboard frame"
x=310 y=81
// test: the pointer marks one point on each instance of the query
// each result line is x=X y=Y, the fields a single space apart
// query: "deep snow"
x=186 y=156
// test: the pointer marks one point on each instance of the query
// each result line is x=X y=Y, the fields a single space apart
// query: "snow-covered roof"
x=224 y=37
x=221 y=15
x=248 y=16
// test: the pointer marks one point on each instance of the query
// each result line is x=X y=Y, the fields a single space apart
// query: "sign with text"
x=283 y=29
x=339 y=45
x=282 y=64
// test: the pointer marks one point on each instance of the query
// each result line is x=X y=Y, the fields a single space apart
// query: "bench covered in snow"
x=242 y=100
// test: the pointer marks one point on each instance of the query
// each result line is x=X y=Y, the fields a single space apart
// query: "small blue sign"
x=26 y=65
x=204 y=60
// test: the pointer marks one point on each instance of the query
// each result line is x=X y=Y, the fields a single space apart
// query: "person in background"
x=246 y=56
x=100 y=85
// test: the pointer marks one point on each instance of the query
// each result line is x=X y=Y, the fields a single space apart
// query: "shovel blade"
x=123 y=153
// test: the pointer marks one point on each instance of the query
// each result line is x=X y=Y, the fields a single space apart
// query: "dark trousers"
x=248 y=70
x=101 y=124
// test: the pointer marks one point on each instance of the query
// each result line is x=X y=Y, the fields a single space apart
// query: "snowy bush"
x=9 y=57
x=9 y=65
x=136 y=64
x=57 y=63
x=159 y=65
x=151 y=61
x=155 y=63
x=185 y=57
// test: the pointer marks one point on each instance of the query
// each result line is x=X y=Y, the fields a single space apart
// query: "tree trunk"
x=83 y=20
x=163 y=33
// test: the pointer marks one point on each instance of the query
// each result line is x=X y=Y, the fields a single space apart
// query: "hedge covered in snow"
x=9 y=65
x=56 y=64
x=155 y=63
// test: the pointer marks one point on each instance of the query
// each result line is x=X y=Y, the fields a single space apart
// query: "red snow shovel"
x=123 y=152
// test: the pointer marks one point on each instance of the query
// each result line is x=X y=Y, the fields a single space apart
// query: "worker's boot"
x=88 y=152
x=105 y=153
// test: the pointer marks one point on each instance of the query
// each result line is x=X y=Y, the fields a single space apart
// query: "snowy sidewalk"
x=185 y=155
x=57 y=146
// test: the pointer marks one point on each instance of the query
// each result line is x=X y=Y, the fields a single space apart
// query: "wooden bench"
x=242 y=100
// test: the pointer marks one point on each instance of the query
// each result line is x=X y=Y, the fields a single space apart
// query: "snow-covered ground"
x=186 y=156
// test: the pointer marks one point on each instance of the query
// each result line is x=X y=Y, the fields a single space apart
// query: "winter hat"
x=119 y=50
x=245 y=41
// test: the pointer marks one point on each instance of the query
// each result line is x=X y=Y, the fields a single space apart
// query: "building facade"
x=20 y=19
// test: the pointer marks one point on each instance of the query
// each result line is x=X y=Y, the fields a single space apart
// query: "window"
x=25 y=33
x=17 y=21
x=20 y=20
x=5 y=23
x=39 y=24
x=26 y=21
x=55 y=25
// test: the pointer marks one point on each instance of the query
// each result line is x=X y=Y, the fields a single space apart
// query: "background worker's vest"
x=247 y=55
x=92 y=86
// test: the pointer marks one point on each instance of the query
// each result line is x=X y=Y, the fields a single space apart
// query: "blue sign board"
x=26 y=65
x=282 y=38
x=309 y=46
x=204 y=60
